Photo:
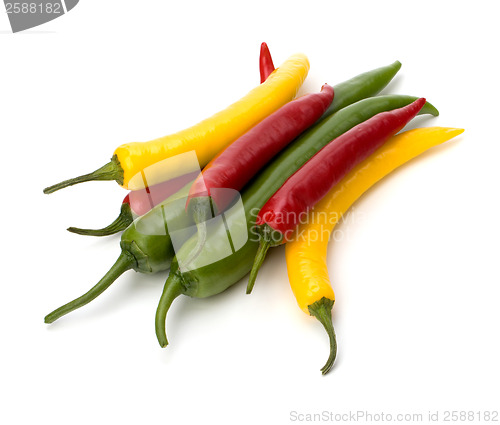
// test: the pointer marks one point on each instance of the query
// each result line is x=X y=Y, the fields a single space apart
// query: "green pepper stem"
x=121 y=223
x=322 y=310
x=264 y=245
x=111 y=171
x=171 y=290
x=125 y=262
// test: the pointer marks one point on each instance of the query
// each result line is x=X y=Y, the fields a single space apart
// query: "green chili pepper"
x=213 y=271
x=362 y=86
x=146 y=248
x=150 y=252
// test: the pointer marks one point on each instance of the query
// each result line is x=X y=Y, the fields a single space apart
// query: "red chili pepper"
x=278 y=218
x=265 y=62
x=240 y=161
x=139 y=202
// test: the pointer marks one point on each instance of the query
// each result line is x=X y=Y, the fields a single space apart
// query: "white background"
x=416 y=276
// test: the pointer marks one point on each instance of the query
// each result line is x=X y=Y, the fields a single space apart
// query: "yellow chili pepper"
x=306 y=254
x=138 y=165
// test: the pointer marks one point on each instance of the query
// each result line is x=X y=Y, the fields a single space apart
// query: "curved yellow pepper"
x=212 y=135
x=138 y=165
x=306 y=255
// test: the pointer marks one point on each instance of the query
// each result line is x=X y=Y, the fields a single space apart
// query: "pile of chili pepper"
x=270 y=162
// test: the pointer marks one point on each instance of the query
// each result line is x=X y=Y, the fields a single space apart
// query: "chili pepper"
x=142 y=201
x=217 y=267
x=362 y=86
x=306 y=254
x=137 y=203
x=145 y=247
x=266 y=65
x=208 y=137
x=239 y=162
x=147 y=244
x=281 y=214
x=227 y=172
x=358 y=88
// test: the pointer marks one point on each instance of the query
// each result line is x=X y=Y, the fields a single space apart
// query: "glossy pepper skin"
x=206 y=138
x=213 y=270
x=366 y=84
x=137 y=203
x=150 y=252
x=146 y=247
x=362 y=86
x=279 y=217
x=348 y=92
x=216 y=187
x=266 y=65
x=240 y=161
x=306 y=254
